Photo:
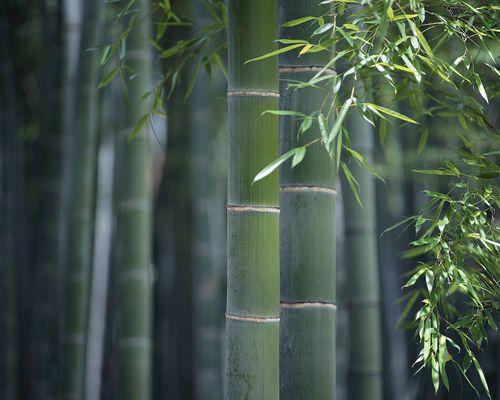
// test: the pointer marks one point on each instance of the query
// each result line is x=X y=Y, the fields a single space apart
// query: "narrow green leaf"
x=323 y=29
x=322 y=127
x=299 y=21
x=481 y=376
x=275 y=53
x=285 y=112
x=414 y=278
x=270 y=168
x=298 y=156
x=392 y=113
x=353 y=184
x=422 y=140
x=138 y=126
x=108 y=77
x=338 y=122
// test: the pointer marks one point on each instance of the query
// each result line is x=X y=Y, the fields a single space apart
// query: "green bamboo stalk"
x=134 y=216
x=206 y=176
x=103 y=233
x=307 y=231
x=80 y=207
x=45 y=275
x=365 y=364
x=391 y=246
x=10 y=208
x=207 y=301
x=252 y=314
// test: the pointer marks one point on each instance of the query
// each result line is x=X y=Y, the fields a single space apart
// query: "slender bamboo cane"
x=391 y=246
x=102 y=249
x=365 y=365
x=134 y=216
x=45 y=274
x=207 y=299
x=252 y=316
x=173 y=327
x=80 y=208
x=72 y=31
x=10 y=207
x=307 y=231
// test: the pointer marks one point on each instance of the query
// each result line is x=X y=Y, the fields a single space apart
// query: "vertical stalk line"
x=391 y=245
x=252 y=314
x=44 y=285
x=11 y=208
x=365 y=362
x=134 y=219
x=307 y=230
x=80 y=207
x=103 y=232
x=205 y=179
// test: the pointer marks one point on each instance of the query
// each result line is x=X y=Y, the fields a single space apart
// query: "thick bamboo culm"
x=80 y=207
x=134 y=231
x=252 y=314
x=307 y=231
x=365 y=360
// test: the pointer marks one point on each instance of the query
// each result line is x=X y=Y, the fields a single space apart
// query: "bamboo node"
x=132 y=342
x=253 y=208
x=134 y=204
x=308 y=304
x=252 y=318
x=308 y=188
x=134 y=275
x=305 y=68
x=254 y=93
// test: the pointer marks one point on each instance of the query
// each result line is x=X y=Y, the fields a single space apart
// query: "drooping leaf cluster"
x=186 y=40
x=457 y=283
x=433 y=55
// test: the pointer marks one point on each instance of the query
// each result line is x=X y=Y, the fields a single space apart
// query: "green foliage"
x=434 y=55
x=458 y=281
x=204 y=47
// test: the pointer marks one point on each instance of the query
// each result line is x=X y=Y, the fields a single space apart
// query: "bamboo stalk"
x=103 y=233
x=11 y=209
x=365 y=365
x=307 y=231
x=80 y=208
x=252 y=314
x=207 y=299
x=134 y=216
x=44 y=358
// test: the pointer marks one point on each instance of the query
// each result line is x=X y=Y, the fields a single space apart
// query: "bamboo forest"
x=249 y=199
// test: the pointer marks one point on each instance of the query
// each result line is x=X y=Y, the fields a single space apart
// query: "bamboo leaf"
x=275 y=53
x=481 y=376
x=414 y=278
x=108 y=77
x=285 y=113
x=138 y=126
x=353 y=184
x=481 y=89
x=305 y=49
x=323 y=29
x=338 y=122
x=322 y=127
x=298 y=156
x=299 y=21
x=434 y=172
x=270 y=168
x=422 y=140
x=392 y=113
